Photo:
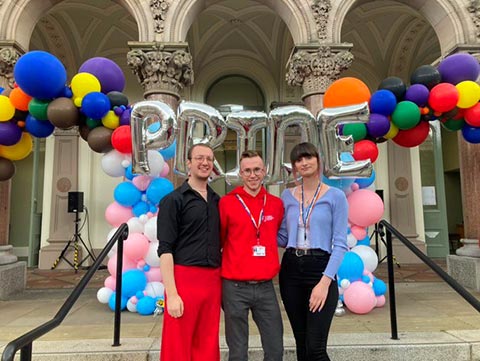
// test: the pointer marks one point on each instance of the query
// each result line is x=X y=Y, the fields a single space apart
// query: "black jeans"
x=298 y=276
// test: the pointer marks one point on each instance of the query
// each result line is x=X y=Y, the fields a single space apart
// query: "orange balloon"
x=346 y=91
x=19 y=99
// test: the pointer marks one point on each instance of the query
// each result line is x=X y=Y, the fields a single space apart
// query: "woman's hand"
x=319 y=294
x=175 y=306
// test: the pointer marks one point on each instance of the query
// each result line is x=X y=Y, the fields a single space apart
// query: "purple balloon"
x=125 y=117
x=109 y=74
x=10 y=133
x=417 y=93
x=459 y=67
x=378 y=125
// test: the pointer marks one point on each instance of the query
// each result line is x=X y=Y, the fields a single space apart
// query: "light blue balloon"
x=133 y=281
x=351 y=268
x=365 y=241
x=127 y=194
x=146 y=305
x=365 y=182
x=140 y=208
x=169 y=152
x=158 y=189
x=129 y=173
x=111 y=302
x=379 y=287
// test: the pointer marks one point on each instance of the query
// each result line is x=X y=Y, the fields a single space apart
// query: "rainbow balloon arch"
x=41 y=101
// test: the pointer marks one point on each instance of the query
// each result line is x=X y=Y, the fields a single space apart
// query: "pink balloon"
x=359 y=298
x=154 y=275
x=358 y=232
x=142 y=182
x=133 y=300
x=380 y=301
x=115 y=214
x=136 y=246
x=365 y=208
x=126 y=265
x=110 y=282
x=165 y=170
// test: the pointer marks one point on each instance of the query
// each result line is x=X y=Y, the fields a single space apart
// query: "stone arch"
x=297 y=15
x=451 y=21
x=235 y=65
x=22 y=16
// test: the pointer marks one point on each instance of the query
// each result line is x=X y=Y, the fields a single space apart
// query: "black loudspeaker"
x=75 y=202
x=380 y=193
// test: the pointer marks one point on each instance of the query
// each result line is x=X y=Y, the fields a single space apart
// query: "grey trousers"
x=237 y=299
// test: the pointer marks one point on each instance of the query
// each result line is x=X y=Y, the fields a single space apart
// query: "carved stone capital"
x=315 y=68
x=159 y=10
x=161 y=67
x=473 y=8
x=321 y=10
x=9 y=54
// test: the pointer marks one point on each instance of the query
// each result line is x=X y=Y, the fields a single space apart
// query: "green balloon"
x=38 y=108
x=406 y=115
x=453 y=124
x=357 y=130
x=93 y=123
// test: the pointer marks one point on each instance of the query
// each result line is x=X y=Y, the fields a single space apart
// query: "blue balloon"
x=365 y=241
x=111 y=302
x=146 y=305
x=169 y=152
x=140 y=208
x=379 y=287
x=40 y=74
x=133 y=281
x=127 y=194
x=38 y=128
x=129 y=173
x=351 y=267
x=471 y=134
x=95 y=105
x=340 y=183
x=159 y=188
x=66 y=92
x=383 y=102
x=365 y=182
x=365 y=279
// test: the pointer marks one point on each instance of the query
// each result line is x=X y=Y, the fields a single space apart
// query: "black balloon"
x=19 y=115
x=427 y=75
x=7 y=169
x=117 y=98
x=395 y=85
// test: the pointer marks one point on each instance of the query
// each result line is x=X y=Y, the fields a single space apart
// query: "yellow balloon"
x=111 y=120
x=469 y=94
x=84 y=83
x=7 y=110
x=18 y=151
x=392 y=132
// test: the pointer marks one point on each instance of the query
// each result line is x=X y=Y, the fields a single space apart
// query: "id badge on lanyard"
x=258 y=250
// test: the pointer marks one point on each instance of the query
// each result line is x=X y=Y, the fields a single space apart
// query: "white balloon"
x=368 y=256
x=112 y=163
x=156 y=162
x=132 y=307
x=351 y=240
x=104 y=294
x=134 y=225
x=150 y=230
x=151 y=257
x=345 y=283
x=154 y=289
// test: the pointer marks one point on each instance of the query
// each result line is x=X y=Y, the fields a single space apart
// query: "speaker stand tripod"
x=76 y=238
x=378 y=234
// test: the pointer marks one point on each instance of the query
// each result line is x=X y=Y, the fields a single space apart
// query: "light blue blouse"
x=328 y=226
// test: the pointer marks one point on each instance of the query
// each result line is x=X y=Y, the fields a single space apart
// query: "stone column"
x=315 y=68
x=163 y=70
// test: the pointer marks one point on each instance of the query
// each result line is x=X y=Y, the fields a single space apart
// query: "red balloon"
x=122 y=139
x=443 y=97
x=413 y=137
x=365 y=149
x=472 y=115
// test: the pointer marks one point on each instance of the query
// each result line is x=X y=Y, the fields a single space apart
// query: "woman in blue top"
x=314 y=232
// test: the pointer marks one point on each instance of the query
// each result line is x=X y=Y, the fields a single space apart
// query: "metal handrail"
x=467 y=296
x=24 y=342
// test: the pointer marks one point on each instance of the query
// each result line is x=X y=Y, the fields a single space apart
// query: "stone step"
x=425 y=346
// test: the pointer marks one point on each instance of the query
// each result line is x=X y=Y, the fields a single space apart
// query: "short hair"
x=189 y=154
x=303 y=150
x=249 y=154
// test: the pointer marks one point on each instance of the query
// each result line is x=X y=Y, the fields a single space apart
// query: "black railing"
x=24 y=342
x=391 y=281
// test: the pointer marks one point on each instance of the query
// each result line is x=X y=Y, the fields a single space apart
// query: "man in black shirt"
x=188 y=230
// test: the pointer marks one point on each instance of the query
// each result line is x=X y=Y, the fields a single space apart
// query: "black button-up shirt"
x=189 y=227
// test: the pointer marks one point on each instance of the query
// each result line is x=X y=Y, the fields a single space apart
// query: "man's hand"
x=175 y=306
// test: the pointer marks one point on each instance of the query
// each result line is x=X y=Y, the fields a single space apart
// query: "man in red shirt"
x=250 y=218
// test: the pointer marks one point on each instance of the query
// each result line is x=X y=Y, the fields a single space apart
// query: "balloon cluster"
x=142 y=290
x=41 y=101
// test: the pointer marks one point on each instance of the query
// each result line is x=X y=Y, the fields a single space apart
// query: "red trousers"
x=195 y=335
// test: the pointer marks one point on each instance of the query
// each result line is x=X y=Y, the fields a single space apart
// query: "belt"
x=249 y=282
x=300 y=252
